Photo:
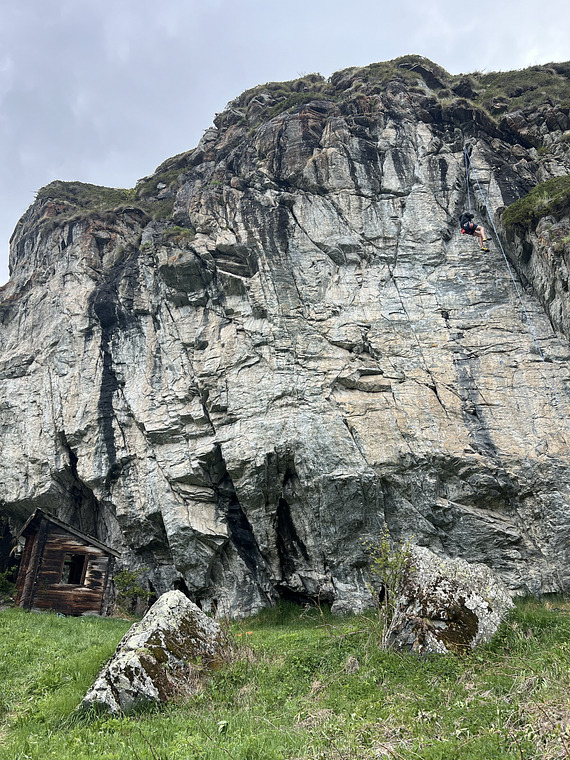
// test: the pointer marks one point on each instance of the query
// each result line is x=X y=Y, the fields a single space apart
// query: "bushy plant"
x=129 y=590
x=390 y=565
x=7 y=585
x=178 y=233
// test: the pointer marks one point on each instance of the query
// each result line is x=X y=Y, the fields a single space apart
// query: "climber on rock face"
x=470 y=228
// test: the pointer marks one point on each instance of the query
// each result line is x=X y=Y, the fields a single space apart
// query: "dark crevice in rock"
x=106 y=305
x=300 y=597
x=82 y=509
x=239 y=527
x=290 y=546
x=180 y=585
x=242 y=534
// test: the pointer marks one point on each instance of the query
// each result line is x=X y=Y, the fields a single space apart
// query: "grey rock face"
x=153 y=661
x=306 y=350
x=447 y=605
x=542 y=259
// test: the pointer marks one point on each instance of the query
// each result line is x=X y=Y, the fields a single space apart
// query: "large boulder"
x=447 y=605
x=154 y=660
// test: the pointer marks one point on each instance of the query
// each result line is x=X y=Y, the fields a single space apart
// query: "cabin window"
x=73 y=570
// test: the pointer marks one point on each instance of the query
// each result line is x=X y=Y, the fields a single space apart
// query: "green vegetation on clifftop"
x=492 y=94
x=495 y=92
x=153 y=195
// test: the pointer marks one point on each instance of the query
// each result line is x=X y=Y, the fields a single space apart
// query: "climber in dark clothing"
x=470 y=228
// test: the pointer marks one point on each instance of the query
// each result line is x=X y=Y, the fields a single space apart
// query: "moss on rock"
x=550 y=197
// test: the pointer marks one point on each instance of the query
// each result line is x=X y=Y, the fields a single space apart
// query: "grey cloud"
x=102 y=91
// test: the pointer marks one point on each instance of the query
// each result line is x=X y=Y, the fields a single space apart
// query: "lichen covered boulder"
x=447 y=605
x=155 y=660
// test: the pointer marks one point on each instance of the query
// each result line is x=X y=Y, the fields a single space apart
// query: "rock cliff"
x=280 y=342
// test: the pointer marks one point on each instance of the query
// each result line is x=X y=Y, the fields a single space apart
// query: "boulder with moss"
x=160 y=658
x=447 y=605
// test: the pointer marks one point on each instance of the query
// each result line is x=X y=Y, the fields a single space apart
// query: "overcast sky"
x=103 y=91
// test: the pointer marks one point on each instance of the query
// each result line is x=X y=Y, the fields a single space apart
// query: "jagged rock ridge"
x=280 y=341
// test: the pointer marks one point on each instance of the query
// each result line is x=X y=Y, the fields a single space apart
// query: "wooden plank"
x=69 y=603
x=106 y=600
x=33 y=566
x=24 y=568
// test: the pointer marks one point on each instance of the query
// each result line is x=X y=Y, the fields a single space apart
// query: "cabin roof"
x=40 y=513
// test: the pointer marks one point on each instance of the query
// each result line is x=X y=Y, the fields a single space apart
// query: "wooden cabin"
x=63 y=569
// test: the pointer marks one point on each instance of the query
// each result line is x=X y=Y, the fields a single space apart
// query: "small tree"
x=389 y=569
x=129 y=590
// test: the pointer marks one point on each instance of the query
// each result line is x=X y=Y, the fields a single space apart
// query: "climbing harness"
x=469 y=165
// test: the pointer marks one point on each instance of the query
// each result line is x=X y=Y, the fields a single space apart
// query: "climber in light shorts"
x=470 y=228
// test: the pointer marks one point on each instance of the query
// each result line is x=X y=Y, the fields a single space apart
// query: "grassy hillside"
x=303 y=685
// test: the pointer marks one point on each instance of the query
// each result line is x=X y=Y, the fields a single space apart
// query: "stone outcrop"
x=542 y=260
x=447 y=605
x=156 y=660
x=280 y=343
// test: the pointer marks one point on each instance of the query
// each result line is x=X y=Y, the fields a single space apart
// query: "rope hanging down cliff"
x=469 y=165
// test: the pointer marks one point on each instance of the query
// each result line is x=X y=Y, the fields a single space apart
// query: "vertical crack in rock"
x=289 y=545
x=82 y=509
x=105 y=307
x=239 y=527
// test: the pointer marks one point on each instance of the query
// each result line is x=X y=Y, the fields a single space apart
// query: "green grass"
x=179 y=233
x=550 y=197
x=86 y=196
x=302 y=685
x=525 y=88
x=82 y=200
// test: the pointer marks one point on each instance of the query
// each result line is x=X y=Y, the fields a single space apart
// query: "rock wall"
x=236 y=393
x=542 y=259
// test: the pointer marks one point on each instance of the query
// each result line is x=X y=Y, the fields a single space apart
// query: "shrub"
x=179 y=233
x=389 y=571
x=129 y=590
x=86 y=196
x=7 y=585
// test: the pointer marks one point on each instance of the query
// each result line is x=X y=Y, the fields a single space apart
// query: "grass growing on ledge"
x=550 y=197
x=85 y=199
x=86 y=196
x=306 y=686
x=525 y=88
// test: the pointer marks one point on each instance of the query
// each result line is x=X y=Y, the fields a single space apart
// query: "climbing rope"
x=469 y=165
x=466 y=157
